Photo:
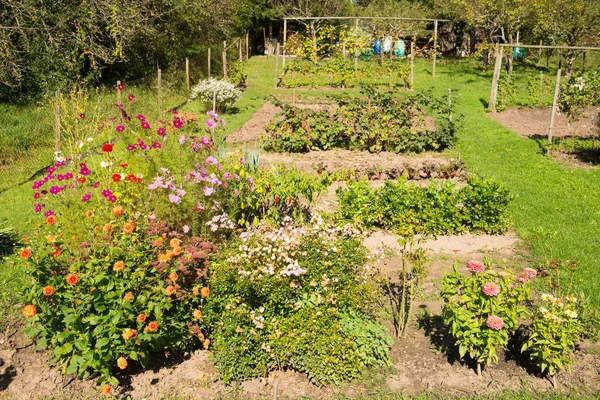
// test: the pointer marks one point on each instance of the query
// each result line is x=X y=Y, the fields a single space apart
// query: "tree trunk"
x=510 y=57
x=569 y=62
x=313 y=32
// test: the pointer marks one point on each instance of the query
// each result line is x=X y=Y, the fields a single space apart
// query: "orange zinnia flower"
x=26 y=253
x=129 y=333
x=119 y=266
x=129 y=296
x=48 y=290
x=153 y=326
x=157 y=243
x=89 y=213
x=205 y=292
x=141 y=317
x=177 y=251
x=206 y=343
x=197 y=314
x=105 y=389
x=29 y=311
x=107 y=228
x=129 y=227
x=163 y=258
x=196 y=290
x=57 y=252
x=170 y=290
x=118 y=211
x=51 y=239
x=173 y=276
x=121 y=363
x=51 y=220
x=72 y=279
x=175 y=242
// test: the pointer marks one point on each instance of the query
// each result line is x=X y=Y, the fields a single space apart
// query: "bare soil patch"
x=535 y=122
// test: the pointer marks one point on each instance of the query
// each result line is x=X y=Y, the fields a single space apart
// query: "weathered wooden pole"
x=225 y=59
x=57 y=123
x=240 y=50
x=435 y=32
x=119 y=98
x=554 y=107
x=159 y=86
x=412 y=63
x=277 y=65
x=496 y=78
x=284 y=38
x=449 y=104
x=540 y=52
x=265 y=42
x=355 y=49
x=247 y=45
x=187 y=77
x=208 y=63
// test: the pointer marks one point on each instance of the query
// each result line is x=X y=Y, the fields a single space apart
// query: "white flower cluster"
x=555 y=301
x=220 y=222
x=225 y=94
x=580 y=83
x=258 y=320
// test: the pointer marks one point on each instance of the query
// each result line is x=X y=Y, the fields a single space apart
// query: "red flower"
x=107 y=148
x=29 y=311
x=153 y=326
x=123 y=165
x=82 y=115
x=116 y=177
x=48 y=291
x=26 y=253
x=131 y=97
x=81 y=180
x=120 y=87
x=72 y=279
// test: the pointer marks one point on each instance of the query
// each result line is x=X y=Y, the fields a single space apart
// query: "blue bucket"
x=377 y=46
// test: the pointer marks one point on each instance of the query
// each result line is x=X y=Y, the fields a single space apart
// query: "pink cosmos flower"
x=145 y=125
x=161 y=132
x=211 y=160
x=177 y=123
x=532 y=273
x=182 y=139
x=120 y=128
x=211 y=124
x=494 y=322
x=475 y=266
x=491 y=289
x=86 y=197
x=174 y=198
x=186 y=229
x=141 y=117
x=208 y=190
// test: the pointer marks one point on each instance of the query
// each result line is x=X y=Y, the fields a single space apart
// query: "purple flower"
x=145 y=125
x=251 y=182
x=112 y=198
x=227 y=176
x=156 y=145
x=55 y=189
x=96 y=185
x=186 y=229
x=131 y=147
x=208 y=190
x=211 y=160
x=69 y=175
x=48 y=213
x=222 y=121
x=36 y=195
x=38 y=208
x=237 y=177
x=106 y=193
x=236 y=192
x=60 y=177
x=84 y=170
x=212 y=114
x=181 y=192
x=120 y=128
x=141 y=117
x=242 y=161
x=174 y=198
x=182 y=139
x=177 y=123
x=86 y=197
x=37 y=185
x=161 y=132
x=211 y=124
x=151 y=217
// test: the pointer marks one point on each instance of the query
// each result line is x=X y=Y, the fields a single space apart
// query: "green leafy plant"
x=482 y=309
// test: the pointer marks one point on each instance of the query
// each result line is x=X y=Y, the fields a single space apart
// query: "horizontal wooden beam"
x=537 y=46
x=392 y=18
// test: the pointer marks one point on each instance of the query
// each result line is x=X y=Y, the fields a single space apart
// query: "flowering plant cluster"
x=555 y=330
x=224 y=93
x=483 y=308
x=292 y=297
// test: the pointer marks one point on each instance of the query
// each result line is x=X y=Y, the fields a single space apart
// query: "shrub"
x=273 y=282
x=482 y=309
x=381 y=123
x=482 y=205
x=225 y=93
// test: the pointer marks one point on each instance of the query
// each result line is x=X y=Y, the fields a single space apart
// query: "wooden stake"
x=119 y=98
x=187 y=77
x=355 y=50
x=435 y=31
x=57 y=123
x=277 y=65
x=554 y=107
x=225 y=59
x=449 y=104
x=412 y=64
x=495 y=79
x=240 y=50
x=159 y=85
x=247 y=45
x=214 y=108
x=265 y=41
x=208 y=63
x=540 y=52
x=284 y=38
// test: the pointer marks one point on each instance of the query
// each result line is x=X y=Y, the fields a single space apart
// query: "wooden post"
x=187 y=77
x=583 y=59
x=540 y=53
x=247 y=45
x=119 y=98
x=496 y=78
x=554 y=106
x=412 y=63
x=284 y=38
x=277 y=65
x=240 y=49
x=225 y=59
x=265 y=42
x=159 y=85
x=355 y=50
x=435 y=30
x=57 y=123
x=208 y=62
x=214 y=101
x=449 y=104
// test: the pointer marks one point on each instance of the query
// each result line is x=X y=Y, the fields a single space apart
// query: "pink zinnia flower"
x=491 y=289
x=494 y=322
x=532 y=273
x=523 y=277
x=475 y=266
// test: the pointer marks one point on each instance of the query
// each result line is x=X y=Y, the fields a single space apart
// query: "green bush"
x=295 y=298
x=481 y=206
x=381 y=122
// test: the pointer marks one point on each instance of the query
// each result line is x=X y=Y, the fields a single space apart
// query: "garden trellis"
x=356 y=22
x=498 y=67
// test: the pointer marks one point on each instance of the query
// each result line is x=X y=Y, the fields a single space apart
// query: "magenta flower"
x=141 y=117
x=38 y=208
x=112 y=198
x=173 y=198
x=222 y=121
x=212 y=114
x=69 y=175
x=242 y=161
x=494 y=322
x=156 y=145
x=55 y=190
x=48 y=213
x=208 y=190
x=36 y=195
x=532 y=273
x=107 y=193
x=211 y=160
x=145 y=125
x=475 y=266
x=490 y=289
x=84 y=170
x=227 y=176
x=177 y=123
x=60 y=177
x=86 y=197
x=96 y=185
x=236 y=192
x=131 y=98
x=161 y=132
x=211 y=124
x=120 y=128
